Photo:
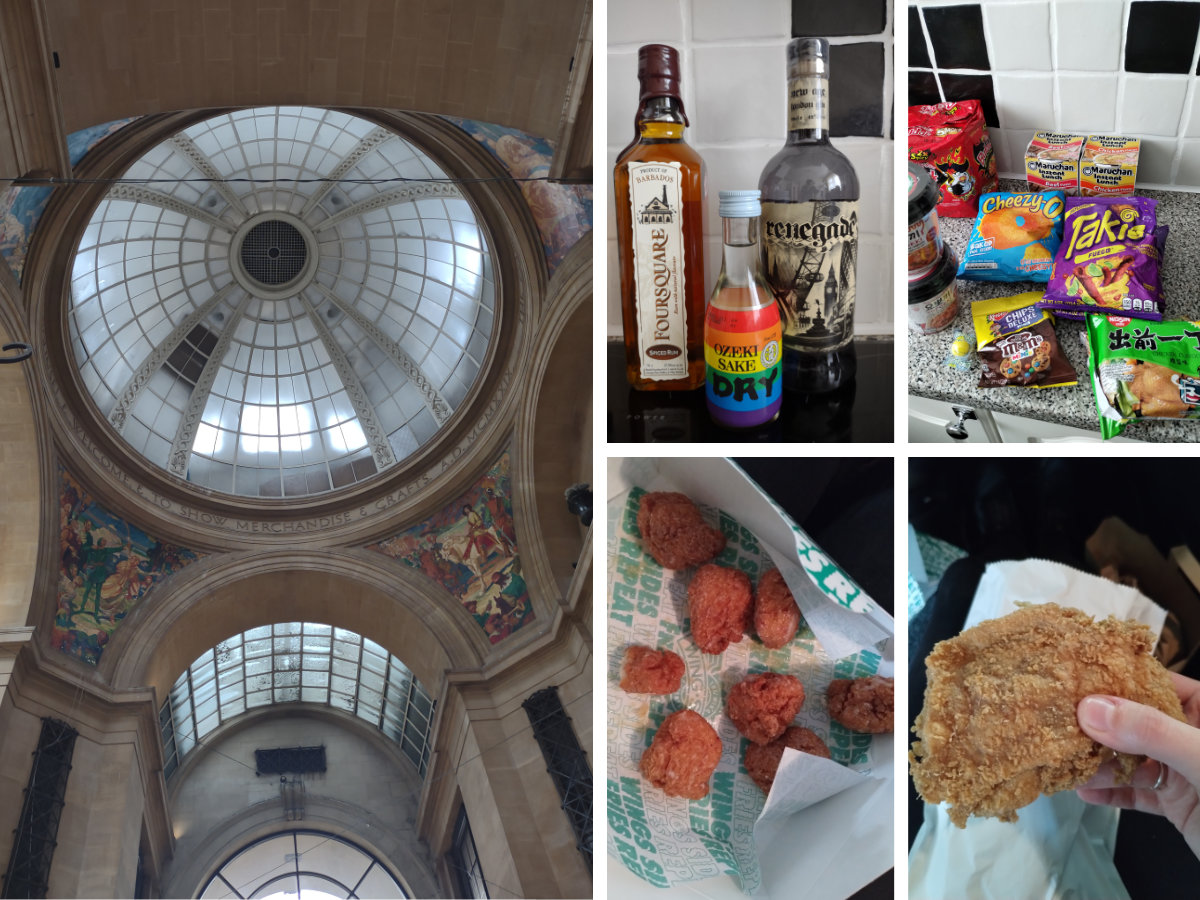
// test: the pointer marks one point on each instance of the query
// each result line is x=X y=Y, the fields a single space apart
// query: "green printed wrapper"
x=669 y=841
x=1143 y=370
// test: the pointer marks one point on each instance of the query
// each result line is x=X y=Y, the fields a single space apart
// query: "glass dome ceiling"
x=281 y=302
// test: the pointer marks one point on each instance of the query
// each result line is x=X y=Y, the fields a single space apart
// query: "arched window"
x=297 y=662
x=303 y=865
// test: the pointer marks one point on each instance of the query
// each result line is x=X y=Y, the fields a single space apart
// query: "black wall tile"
x=830 y=18
x=918 y=53
x=972 y=87
x=922 y=89
x=956 y=33
x=1161 y=37
x=856 y=89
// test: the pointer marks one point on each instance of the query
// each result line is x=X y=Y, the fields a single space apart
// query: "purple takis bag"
x=1110 y=258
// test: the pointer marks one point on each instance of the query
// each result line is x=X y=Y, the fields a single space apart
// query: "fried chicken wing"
x=998 y=726
x=675 y=532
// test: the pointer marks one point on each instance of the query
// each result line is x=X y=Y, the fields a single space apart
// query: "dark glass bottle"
x=659 y=197
x=810 y=231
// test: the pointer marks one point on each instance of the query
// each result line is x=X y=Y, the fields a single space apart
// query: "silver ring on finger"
x=1162 y=776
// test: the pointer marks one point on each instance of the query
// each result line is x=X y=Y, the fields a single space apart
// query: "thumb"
x=1130 y=727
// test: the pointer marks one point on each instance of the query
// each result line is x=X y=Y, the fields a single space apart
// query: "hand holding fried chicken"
x=1130 y=727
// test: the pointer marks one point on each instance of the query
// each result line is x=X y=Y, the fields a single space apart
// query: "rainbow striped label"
x=742 y=352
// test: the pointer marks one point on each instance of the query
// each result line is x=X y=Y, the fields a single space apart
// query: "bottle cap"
x=740 y=204
x=658 y=71
x=808 y=56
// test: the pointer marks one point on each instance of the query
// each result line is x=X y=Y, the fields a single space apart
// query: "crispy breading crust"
x=762 y=760
x=683 y=755
x=720 y=607
x=776 y=615
x=863 y=704
x=998 y=726
x=674 y=532
x=762 y=706
x=645 y=670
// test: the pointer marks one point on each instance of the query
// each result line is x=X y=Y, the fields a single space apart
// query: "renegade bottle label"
x=810 y=252
x=742 y=353
x=808 y=103
x=656 y=195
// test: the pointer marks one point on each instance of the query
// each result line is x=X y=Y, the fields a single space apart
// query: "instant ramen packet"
x=1017 y=344
x=1110 y=258
x=1143 y=370
x=1015 y=237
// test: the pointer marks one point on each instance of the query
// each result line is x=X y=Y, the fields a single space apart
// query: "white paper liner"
x=671 y=841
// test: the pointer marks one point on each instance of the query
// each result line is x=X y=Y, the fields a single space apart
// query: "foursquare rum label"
x=659 y=196
x=810 y=232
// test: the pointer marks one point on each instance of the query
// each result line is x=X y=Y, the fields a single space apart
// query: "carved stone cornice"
x=406 y=194
x=139 y=194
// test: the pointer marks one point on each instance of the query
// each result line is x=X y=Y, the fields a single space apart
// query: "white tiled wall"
x=1058 y=65
x=733 y=56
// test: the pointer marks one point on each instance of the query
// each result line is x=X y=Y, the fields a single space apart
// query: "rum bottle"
x=659 y=197
x=810 y=231
x=742 y=334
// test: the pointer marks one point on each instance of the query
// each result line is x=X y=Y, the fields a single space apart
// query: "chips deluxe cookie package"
x=1015 y=237
x=1017 y=344
x=1110 y=258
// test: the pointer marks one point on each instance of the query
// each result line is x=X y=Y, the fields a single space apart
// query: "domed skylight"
x=293 y=300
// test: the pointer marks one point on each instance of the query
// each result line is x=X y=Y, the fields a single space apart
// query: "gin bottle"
x=659 y=198
x=810 y=231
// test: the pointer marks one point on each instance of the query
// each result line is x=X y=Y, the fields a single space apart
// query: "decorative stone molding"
x=139 y=194
x=369 y=143
x=438 y=407
x=186 y=147
x=140 y=378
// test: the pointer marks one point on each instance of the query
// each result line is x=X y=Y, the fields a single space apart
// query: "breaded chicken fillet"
x=998 y=726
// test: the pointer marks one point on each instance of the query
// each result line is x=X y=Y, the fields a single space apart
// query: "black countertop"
x=860 y=411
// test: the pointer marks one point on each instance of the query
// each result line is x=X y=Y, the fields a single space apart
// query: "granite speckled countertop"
x=1070 y=405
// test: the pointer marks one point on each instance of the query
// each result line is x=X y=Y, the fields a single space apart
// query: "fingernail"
x=1097 y=712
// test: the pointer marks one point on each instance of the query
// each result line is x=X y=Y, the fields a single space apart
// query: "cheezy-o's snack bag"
x=1015 y=237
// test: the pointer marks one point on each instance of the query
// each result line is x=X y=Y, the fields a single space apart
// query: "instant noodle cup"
x=933 y=300
x=924 y=241
x=1108 y=167
x=1052 y=162
x=1015 y=237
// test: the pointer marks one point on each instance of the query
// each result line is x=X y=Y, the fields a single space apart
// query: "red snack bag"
x=951 y=141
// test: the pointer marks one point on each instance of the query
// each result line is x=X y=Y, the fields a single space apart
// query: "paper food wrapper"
x=668 y=840
x=1060 y=847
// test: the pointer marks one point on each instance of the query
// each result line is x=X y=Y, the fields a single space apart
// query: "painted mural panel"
x=106 y=566
x=22 y=207
x=470 y=548
x=562 y=212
